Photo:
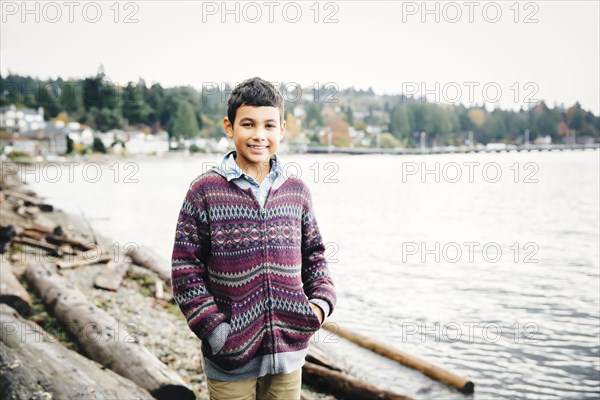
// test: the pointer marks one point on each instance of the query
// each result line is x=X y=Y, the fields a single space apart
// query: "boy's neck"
x=255 y=172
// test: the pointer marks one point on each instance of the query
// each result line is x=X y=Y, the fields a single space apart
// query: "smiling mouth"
x=257 y=147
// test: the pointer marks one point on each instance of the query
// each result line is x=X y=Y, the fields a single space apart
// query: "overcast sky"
x=534 y=50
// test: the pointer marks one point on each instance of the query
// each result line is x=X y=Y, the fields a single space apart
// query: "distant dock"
x=449 y=149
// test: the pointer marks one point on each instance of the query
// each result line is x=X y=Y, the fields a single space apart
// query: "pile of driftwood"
x=21 y=342
x=72 y=252
x=34 y=364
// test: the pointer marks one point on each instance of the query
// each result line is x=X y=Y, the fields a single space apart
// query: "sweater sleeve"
x=316 y=278
x=188 y=268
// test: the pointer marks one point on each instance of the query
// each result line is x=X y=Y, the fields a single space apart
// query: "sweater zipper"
x=263 y=213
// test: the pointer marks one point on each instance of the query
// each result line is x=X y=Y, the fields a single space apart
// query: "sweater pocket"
x=244 y=338
x=228 y=358
x=226 y=345
x=312 y=318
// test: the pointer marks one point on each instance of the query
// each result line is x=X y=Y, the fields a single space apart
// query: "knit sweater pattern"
x=255 y=267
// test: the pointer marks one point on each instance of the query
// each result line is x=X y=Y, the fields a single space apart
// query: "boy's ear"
x=283 y=126
x=228 y=127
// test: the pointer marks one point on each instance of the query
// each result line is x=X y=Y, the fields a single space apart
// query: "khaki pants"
x=268 y=387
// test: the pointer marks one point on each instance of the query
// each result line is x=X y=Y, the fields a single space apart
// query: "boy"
x=248 y=266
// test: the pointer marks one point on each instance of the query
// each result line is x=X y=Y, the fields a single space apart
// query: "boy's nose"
x=260 y=133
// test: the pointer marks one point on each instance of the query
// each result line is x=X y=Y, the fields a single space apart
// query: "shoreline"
x=100 y=157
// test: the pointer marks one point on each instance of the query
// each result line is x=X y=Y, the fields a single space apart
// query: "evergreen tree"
x=184 y=123
x=400 y=121
x=576 y=117
x=72 y=100
x=155 y=98
x=349 y=116
x=104 y=119
x=135 y=109
x=48 y=97
x=421 y=116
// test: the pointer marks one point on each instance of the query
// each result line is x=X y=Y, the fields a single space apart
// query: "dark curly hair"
x=254 y=92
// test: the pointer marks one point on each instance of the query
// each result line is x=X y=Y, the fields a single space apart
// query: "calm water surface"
x=487 y=265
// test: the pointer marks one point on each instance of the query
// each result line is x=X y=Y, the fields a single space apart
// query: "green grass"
x=145 y=282
x=174 y=309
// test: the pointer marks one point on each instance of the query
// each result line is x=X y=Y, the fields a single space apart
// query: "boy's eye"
x=250 y=124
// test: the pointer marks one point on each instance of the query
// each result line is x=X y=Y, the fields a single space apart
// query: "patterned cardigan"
x=255 y=268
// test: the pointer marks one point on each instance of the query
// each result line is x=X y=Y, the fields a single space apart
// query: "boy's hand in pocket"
x=317 y=310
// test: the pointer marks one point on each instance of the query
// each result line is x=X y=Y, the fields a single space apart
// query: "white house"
x=141 y=143
x=547 y=139
x=17 y=120
x=27 y=131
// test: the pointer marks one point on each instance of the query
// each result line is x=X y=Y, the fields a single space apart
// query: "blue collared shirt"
x=234 y=173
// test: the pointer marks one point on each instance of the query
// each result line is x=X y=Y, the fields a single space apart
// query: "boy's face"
x=256 y=134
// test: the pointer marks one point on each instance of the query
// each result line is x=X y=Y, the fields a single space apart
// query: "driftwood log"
x=111 y=276
x=52 y=249
x=28 y=199
x=27 y=211
x=11 y=290
x=159 y=290
x=35 y=365
x=146 y=257
x=53 y=237
x=341 y=384
x=88 y=258
x=31 y=234
x=16 y=184
x=36 y=226
x=103 y=338
x=78 y=244
x=317 y=356
x=461 y=383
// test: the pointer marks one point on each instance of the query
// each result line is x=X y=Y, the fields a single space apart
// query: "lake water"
x=486 y=264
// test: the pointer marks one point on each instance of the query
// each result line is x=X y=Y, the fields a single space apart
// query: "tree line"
x=186 y=112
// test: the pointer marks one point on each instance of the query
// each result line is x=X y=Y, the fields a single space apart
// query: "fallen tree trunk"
x=35 y=365
x=103 y=338
x=11 y=290
x=146 y=257
x=461 y=383
x=341 y=384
